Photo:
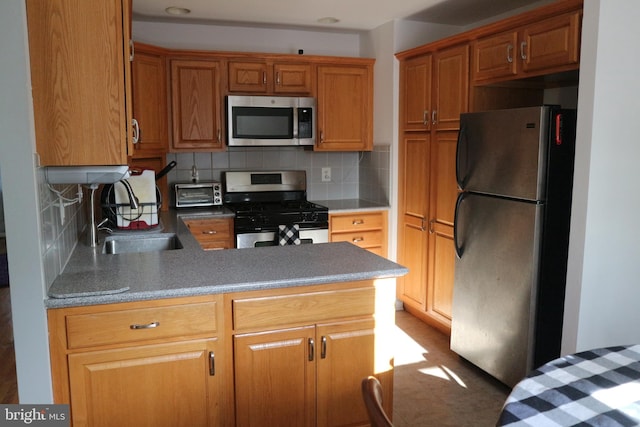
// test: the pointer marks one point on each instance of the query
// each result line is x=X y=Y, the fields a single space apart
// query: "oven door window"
x=262 y=122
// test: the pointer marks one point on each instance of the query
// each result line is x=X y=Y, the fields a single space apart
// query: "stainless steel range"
x=264 y=200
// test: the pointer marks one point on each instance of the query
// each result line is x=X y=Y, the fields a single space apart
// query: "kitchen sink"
x=135 y=244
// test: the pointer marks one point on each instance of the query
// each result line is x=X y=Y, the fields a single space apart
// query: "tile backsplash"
x=60 y=227
x=363 y=175
x=353 y=174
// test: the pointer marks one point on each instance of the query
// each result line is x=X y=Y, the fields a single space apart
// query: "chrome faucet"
x=133 y=200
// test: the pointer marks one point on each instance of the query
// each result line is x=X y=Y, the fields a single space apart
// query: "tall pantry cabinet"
x=433 y=93
x=505 y=64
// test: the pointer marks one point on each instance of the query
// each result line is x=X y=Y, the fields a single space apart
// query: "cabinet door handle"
x=321 y=137
x=209 y=232
x=312 y=348
x=219 y=135
x=523 y=54
x=510 y=53
x=433 y=117
x=136 y=131
x=425 y=117
x=132 y=50
x=264 y=77
x=278 y=78
x=431 y=222
x=145 y=326
x=357 y=222
x=422 y=227
x=323 y=347
x=212 y=363
x=357 y=239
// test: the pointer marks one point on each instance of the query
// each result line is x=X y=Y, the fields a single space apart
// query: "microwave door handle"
x=295 y=122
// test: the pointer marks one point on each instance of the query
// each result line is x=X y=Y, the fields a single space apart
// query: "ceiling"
x=360 y=15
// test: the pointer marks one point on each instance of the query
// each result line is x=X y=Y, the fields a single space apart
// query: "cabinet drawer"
x=364 y=239
x=140 y=324
x=363 y=221
x=308 y=308
x=207 y=230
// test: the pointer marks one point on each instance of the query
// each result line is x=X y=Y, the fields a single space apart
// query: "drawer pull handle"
x=357 y=222
x=357 y=239
x=210 y=232
x=146 y=326
x=212 y=363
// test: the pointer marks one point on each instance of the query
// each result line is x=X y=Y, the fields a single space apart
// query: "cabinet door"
x=414 y=207
x=79 y=53
x=415 y=92
x=196 y=105
x=496 y=56
x=276 y=363
x=157 y=385
x=345 y=356
x=451 y=87
x=150 y=102
x=345 y=108
x=443 y=194
x=247 y=77
x=292 y=78
x=551 y=43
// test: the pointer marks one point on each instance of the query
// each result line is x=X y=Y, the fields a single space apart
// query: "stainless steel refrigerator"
x=511 y=233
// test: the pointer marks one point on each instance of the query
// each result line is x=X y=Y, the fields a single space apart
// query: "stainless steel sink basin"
x=137 y=243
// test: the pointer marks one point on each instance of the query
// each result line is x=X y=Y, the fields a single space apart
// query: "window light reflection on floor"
x=409 y=352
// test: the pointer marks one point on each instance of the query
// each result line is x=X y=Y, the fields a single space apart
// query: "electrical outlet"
x=326 y=174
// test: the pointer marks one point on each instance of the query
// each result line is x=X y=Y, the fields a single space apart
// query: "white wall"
x=603 y=281
x=246 y=39
x=17 y=145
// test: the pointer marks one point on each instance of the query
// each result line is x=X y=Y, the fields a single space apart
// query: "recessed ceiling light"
x=328 y=20
x=173 y=10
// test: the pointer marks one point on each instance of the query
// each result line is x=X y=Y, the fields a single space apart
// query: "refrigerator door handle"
x=459 y=249
x=462 y=136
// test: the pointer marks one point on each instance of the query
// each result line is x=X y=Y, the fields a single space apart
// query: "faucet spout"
x=133 y=200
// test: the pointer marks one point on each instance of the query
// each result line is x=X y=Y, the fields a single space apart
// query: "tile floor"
x=435 y=387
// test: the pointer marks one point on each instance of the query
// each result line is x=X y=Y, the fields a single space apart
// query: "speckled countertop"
x=92 y=277
x=337 y=206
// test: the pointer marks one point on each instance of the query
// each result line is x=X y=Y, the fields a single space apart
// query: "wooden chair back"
x=372 y=395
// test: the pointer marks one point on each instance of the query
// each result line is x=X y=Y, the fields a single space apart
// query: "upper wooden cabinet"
x=264 y=77
x=551 y=45
x=416 y=87
x=79 y=54
x=451 y=87
x=435 y=88
x=150 y=100
x=196 y=105
x=345 y=108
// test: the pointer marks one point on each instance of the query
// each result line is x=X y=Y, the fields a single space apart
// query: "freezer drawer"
x=494 y=296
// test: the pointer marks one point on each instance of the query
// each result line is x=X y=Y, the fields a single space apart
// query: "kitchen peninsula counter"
x=92 y=277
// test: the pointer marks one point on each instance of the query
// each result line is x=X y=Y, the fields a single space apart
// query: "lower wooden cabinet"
x=290 y=371
x=367 y=230
x=279 y=357
x=151 y=363
x=212 y=234
x=157 y=385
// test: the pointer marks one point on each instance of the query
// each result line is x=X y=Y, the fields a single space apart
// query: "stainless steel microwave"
x=270 y=120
